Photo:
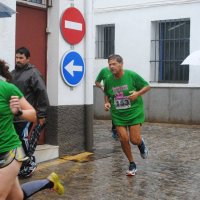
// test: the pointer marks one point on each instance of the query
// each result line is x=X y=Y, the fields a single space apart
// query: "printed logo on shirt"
x=121 y=101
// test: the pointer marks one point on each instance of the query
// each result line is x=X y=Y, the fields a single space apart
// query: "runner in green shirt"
x=12 y=154
x=123 y=90
x=8 y=137
x=101 y=77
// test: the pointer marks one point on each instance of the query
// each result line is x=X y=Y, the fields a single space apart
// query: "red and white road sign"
x=72 y=25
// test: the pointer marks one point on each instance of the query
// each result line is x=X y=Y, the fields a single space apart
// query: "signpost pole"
x=89 y=61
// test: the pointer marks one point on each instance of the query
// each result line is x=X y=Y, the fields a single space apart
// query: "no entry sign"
x=72 y=25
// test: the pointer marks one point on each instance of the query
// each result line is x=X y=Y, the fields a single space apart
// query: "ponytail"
x=4 y=71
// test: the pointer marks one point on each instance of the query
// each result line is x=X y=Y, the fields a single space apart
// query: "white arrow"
x=70 y=67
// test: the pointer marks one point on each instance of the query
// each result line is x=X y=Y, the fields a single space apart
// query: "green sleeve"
x=106 y=87
x=14 y=91
x=139 y=81
x=99 y=77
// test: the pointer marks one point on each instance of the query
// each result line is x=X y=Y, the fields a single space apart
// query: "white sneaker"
x=131 y=171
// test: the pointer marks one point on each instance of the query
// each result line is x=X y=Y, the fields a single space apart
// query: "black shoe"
x=114 y=134
x=28 y=169
x=143 y=150
x=131 y=170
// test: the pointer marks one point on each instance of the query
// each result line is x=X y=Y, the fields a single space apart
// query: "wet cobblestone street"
x=171 y=171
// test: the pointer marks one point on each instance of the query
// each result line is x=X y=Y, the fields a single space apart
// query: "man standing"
x=123 y=90
x=29 y=80
x=101 y=77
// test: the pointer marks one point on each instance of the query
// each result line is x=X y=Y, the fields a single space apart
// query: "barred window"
x=169 y=47
x=39 y=2
x=105 y=40
x=36 y=1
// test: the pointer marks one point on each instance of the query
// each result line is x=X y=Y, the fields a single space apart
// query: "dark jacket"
x=30 y=81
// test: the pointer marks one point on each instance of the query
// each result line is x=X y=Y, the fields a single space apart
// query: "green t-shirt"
x=8 y=136
x=103 y=75
x=125 y=112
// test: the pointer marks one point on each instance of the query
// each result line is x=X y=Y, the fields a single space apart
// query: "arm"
x=107 y=103
x=41 y=96
x=99 y=79
x=135 y=94
x=99 y=85
x=28 y=112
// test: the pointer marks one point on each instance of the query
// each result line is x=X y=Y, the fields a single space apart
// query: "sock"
x=33 y=187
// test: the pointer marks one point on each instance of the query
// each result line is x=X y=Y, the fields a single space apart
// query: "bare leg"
x=136 y=139
x=124 y=139
x=16 y=189
x=135 y=134
x=9 y=185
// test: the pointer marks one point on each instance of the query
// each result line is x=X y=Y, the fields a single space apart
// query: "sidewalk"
x=171 y=171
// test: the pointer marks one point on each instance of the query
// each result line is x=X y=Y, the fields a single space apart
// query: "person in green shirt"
x=101 y=77
x=123 y=91
x=12 y=102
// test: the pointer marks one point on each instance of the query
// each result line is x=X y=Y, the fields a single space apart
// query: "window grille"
x=169 y=47
x=36 y=1
x=46 y=3
x=105 y=40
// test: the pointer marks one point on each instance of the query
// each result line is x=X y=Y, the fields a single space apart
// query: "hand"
x=102 y=88
x=133 y=95
x=14 y=104
x=107 y=106
x=42 y=121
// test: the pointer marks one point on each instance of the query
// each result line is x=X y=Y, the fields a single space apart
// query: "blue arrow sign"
x=72 y=68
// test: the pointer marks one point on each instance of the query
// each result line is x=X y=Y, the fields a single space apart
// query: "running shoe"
x=58 y=187
x=143 y=150
x=131 y=170
x=28 y=169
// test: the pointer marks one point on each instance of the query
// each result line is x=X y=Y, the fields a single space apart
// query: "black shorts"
x=7 y=157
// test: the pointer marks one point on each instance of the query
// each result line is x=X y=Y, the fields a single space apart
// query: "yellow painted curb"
x=82 y=157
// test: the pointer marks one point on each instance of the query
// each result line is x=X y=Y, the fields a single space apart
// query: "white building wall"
x=71 y=108
x=7 y=35
x=166 y=102
x=58 y=91
x=132 y=21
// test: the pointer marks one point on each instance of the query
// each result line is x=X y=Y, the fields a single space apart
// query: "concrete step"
x=46 y=152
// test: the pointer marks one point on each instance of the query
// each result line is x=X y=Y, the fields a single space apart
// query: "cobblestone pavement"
x=172 y=170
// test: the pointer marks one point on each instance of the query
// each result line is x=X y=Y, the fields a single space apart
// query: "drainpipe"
x=89 y=63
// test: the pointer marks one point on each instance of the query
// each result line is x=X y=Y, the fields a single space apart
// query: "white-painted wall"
x=132 y=21
x=133 y=34
x=7 y=35
x=59 y=92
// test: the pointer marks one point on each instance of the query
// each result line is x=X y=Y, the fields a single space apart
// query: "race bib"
x=122 y=103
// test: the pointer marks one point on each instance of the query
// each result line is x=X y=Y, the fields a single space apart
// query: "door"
x=31 y=23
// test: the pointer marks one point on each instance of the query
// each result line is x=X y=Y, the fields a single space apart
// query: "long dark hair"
x=4 y=70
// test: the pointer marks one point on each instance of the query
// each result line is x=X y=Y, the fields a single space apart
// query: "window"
x=169 y=47
x=34 y=1
x=37 y=2
x=105 y=40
